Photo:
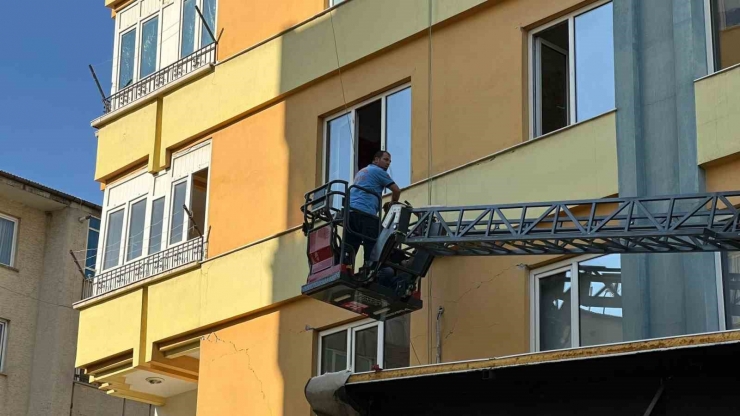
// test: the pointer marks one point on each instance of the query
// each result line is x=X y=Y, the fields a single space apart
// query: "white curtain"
x=7 y=228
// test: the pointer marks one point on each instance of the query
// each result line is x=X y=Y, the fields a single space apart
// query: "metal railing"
x=176 y=256
x=128 y=94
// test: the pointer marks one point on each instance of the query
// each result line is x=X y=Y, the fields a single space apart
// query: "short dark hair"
x=379 y=154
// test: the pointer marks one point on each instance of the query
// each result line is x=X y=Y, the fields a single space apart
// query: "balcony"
x=158 y=80
x=180 y=255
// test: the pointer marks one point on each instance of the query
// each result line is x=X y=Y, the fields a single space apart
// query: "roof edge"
x=52 y=191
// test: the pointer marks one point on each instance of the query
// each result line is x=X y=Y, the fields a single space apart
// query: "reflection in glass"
x=731 y=280
x=555 y=323
x=339 y=152
x=149 y=34
x=134 y=247
x=398 y=136
x=600 y=300
x=397 y=341
x=7 y=230
x=126 y=59
x=187 y=43
x=178 y=214
x=594 y=56
x=726 y=33
x=113 y=239
x=334 y=352
x=209 y=14
x=155 y=226
x=366 y=349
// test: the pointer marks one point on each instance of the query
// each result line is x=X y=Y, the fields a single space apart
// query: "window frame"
x=533 y=60
x=572 y=265
x=127 y=225
x=140 y=39
x=87 y=244
x=352 y=110
x=14 y=239
x=121 y=207
x=351 y=329
x=5 y=324
x=197 y=31
x=710 y=43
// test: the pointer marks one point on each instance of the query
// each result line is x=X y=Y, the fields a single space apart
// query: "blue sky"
x=47 y=96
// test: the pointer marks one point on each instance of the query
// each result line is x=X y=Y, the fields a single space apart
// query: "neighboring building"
x=39 y=282
x=199 y=311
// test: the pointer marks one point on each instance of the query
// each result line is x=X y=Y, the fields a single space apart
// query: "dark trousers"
x=366 y=224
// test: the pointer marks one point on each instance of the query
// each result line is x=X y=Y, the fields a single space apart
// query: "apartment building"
x=39 y=282
x=223 y=113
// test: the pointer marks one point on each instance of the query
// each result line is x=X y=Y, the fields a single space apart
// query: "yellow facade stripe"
x=717 y=120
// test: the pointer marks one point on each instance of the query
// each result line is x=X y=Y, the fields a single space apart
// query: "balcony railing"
x=188 y=252
x=126 y=95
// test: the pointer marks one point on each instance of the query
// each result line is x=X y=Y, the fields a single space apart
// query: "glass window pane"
x=397 y=342
x=178 y=214
x=551 y=78
x=731 y=279
x=155 y=226
x=113 y=239
x=334 y=352
x=339 y=152
x=594 y=56
x=2 y=342
x=555 y=322
x=149 y=35
x=187 y=45
x=398 y=136
x=209 y=14
x=95 y=223
x=92 y=248
x=726 y=33
x=600 y=300
x=366 y=349
x=126 y=59
x=134 y=247
x=7 y=229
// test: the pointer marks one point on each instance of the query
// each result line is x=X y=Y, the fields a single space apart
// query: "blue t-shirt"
x=375 y=179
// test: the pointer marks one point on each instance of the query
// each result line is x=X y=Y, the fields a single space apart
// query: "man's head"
x=382 y=159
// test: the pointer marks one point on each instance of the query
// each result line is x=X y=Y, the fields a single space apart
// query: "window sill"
x=11 y=268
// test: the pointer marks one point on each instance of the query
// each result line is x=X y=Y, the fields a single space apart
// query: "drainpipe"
x=440 y=311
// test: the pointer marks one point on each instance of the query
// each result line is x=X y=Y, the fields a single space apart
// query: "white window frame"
x=383 y=97
x=127 y=225
x=534 y=64
x=148 y=226
x=5 y=324
x=142 y=22
x=87 y=242
x=572 y=266
x=187 y=180
x=121 y=207
x=709 y=33
x=198 y=30
x=352 y=329
x=14 y=239
x=333 y=3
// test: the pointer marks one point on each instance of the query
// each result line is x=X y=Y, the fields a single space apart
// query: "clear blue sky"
x=47 y=96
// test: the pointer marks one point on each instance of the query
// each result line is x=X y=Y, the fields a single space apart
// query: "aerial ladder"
x=388 y=282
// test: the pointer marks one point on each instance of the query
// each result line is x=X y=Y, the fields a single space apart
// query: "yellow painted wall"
x=717 y=120
x=724 y=176
x=263 y=75
x=110 y=328
x=126 y=142
x=260 y=366
x=247 y=23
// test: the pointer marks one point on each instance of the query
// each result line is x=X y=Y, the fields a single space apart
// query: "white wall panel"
x=131 y=189
x=149 y=7
x=192 y=161
x=128 y=18
x=170 y=34
x=161 y=185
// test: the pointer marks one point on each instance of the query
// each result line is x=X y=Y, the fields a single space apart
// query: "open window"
x=8 y=239
x=572 y=62
x=381 y=123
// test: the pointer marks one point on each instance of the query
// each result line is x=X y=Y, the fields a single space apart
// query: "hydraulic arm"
x=388 y=281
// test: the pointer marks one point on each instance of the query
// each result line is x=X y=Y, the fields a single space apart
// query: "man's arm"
x=396 y=192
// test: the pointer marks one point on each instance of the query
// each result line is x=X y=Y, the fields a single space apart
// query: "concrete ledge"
x=611 y=350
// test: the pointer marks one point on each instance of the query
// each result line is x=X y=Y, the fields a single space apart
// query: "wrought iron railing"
x=188 y=252
x=126 y=95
